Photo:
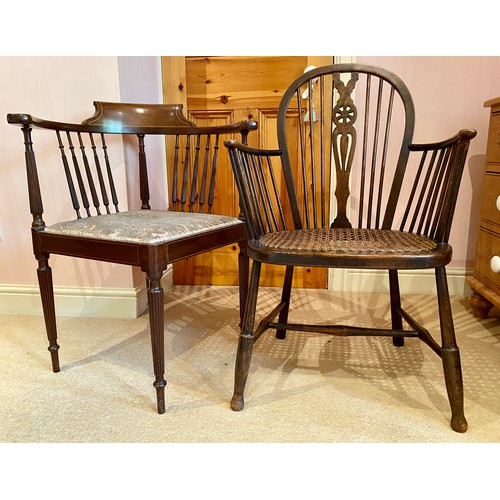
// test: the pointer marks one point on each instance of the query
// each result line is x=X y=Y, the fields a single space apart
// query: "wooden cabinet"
x=485 y=282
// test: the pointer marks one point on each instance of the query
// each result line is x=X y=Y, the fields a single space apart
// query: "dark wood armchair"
x=348 y=189
x=104 y=228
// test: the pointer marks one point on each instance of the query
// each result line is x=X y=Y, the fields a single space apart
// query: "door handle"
x=305 y=95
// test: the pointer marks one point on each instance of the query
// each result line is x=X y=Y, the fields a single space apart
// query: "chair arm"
x=435 y=185
x=233 y=144
x=25 y=119
x=19 y=119
x=462 y=135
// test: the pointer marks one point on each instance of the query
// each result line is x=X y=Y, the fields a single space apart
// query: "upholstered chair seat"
x=146 y=227
x=88 y=158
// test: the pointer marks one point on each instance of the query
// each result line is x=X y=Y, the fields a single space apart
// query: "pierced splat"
x=382 y=186
x=343 y=144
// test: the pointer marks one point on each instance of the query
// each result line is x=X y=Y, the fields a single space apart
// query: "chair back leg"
x=285 y=299
x=397 y=320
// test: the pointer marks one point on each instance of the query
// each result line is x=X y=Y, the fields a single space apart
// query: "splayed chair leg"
x=243 y=356
x=450 y=355
x=44 y=273
x=285 y=298
x=397 y=321
x=156 y=322
x=246 y=341
x=243 y=274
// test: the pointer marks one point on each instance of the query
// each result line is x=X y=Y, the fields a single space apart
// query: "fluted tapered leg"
x=156 y=322
x=450 y=355
x=285 y=299
x=397 y=321
x=246 y=340
x=44 y=273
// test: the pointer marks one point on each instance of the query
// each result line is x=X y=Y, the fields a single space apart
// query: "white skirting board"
x=132 y=302
x=87 y=302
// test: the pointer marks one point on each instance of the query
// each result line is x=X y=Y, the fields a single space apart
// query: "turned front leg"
x=246 y=341
x=44 y=273
x=156 y=323
x=450 y=355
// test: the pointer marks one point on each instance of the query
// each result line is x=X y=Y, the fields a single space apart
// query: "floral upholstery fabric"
x=149 y=227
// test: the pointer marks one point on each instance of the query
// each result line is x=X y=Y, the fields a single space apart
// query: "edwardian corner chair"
x=345 y=140
x=104 y=229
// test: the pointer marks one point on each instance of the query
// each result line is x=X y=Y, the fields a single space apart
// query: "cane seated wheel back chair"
x=344 y=127
x=91 y=157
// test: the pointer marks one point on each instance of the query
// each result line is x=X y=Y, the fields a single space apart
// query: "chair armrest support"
x=436 y=183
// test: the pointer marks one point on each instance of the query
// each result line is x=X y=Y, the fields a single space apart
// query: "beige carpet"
x=306 y=389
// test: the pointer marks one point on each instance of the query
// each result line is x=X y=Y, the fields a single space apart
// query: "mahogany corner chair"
x=92 y=157
x=340 y=127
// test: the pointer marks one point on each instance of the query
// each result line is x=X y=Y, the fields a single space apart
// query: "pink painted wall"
x=63 y=88
x=449 y=93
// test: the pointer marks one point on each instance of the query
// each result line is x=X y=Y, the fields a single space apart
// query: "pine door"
x=223 y=89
